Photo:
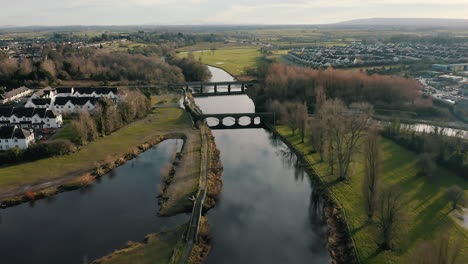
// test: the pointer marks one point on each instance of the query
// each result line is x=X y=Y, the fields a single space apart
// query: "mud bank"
x=215 y=171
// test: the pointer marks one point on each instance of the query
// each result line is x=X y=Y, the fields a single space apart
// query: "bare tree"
x=293 y=115
x=372 y=166
x=390 y=218
x=345 y=129
x=456 y=195
x=318 y=136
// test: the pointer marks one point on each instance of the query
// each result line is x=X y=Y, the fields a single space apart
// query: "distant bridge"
x=256 y=120
x=219 y=88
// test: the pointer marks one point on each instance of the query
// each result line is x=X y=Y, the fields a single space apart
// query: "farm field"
x=232 y=60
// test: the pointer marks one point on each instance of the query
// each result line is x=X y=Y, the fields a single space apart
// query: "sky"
x=165 y=12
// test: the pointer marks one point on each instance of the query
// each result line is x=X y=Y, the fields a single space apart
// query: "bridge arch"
x=229 y=121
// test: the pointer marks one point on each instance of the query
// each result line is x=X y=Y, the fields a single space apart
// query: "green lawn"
x=233 y=61
x=66 y=132
x=160 y=122
x=158 y=249
x=426 y=207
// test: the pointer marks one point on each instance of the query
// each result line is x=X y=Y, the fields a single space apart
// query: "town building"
x=71 y=99
x=450 y=67
x=74 y=104
x=27 y=117
x=96 y=92
x=15 y=94
x=46 y=103
x=13 y=136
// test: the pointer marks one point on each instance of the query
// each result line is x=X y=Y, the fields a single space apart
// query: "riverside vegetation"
x=397 y=203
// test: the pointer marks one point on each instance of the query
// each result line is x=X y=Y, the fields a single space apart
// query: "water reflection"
x=262 y=216
x=92 y=221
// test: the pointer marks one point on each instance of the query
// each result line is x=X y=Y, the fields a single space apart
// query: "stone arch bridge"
x=256 y=120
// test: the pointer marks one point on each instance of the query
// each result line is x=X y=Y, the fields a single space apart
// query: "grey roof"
x=9 y=132
x=74 y=100
x=27 y=112
x=41 y=101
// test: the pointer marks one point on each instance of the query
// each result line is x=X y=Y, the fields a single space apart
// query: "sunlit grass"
x=162 y=121
x=426 y=207
x=233 y=61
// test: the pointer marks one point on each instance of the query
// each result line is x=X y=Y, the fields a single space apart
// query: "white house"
x=65 y=91
x=96 y=92
x=46 y=103
x=15 y=94
x=74 y=104
x=30 y=117
x=13 y=136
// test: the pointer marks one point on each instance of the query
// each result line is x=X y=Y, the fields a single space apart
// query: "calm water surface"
x=267 y=212
x=93 y=222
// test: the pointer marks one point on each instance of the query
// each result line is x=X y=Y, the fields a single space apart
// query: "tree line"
x=342 y=134
x=433 y=147
x=109 y=117
x=288 y=83
x=146 y=65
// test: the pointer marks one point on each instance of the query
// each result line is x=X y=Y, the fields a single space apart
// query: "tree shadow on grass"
x=373 y=255
x=357 y=229
x=428 y=220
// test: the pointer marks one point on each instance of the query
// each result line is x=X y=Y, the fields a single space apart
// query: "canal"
x=92 y=222
x=266 y=212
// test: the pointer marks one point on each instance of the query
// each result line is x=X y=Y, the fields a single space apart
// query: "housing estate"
x=28 y=117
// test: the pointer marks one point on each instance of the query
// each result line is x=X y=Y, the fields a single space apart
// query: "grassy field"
x=426 y=208
x=232 y=60
x=160 y=122
x=216 y=45
x=157 y=249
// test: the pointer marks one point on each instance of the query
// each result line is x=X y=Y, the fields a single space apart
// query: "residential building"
x=96 y=92
x=74 y=104
x=46 y=103
x=13 y=136
x=27 y=117
x=15 y=94
x=450 y=67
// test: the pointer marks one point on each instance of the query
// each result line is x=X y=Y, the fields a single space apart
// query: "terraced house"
x=13 y=136
x=70 y=99
x=74 y=104
x=29 y=117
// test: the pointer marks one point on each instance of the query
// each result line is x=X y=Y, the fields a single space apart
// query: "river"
x=92 y=222
x=266 y=212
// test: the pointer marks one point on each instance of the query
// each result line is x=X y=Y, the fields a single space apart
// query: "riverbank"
x=33 y=180
x=426 y=208
x=155 y=248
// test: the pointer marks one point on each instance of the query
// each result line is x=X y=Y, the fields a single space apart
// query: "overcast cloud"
x=136 y=12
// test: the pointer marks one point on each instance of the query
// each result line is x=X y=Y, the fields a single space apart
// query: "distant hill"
x=418 y=22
